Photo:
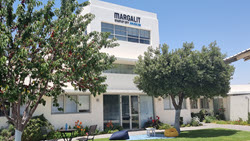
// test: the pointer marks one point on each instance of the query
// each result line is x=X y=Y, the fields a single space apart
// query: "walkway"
x=205 y=126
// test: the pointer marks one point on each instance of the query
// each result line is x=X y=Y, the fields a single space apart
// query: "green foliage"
x=110 y=128
x=195 y=73
x=165 y=126
x=34 y=132
x=195 y=121
x=201 y=115
x=209 y=119
x=183 y=73
x=153 y=122
x=43 y=49
x=236 y=122
x=7 y=134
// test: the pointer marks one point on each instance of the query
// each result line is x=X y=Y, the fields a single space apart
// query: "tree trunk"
x=177 y=110
x=177 y=120
x=18 y=135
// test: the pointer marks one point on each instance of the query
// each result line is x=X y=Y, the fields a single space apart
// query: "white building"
x=123 y=103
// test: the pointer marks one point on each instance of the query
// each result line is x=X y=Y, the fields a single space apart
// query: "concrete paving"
x=205 y=126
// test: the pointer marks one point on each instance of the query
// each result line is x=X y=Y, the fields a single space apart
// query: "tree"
x=42 y=50
x=183 y=73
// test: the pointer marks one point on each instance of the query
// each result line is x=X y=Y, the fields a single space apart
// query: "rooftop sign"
x=127 y=19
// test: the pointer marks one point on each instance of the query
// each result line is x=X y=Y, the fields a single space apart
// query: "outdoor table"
x=64 y=136
x=152 y=131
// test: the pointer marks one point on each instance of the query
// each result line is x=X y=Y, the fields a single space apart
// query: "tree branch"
x=5 y=111
x=174 y=102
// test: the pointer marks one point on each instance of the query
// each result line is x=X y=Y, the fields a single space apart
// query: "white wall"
x=238 y=107
x=59 y=120
x=3 y=121
x=104 y=12
x=117 y=81
x=168 y=116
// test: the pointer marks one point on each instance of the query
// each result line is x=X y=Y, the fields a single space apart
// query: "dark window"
x=127 y=33
x=108 y=28
x=122 y=69
x=194 y=104
x=204 y=103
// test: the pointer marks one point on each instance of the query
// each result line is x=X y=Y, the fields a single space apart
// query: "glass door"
x=146 y=109
x=125 y=112
x=130 y=112
x=134 y=112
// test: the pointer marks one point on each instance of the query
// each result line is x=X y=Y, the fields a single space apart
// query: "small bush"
x=201 y=115
x=33 y=130
x=209 y=119
x=195 y=121
x=164 y=126
x=153 y=122
x=112 y=131
x=7 y=134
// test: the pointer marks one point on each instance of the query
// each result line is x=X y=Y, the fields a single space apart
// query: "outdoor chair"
x=91 y=134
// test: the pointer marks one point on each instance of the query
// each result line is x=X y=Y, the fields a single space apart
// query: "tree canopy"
x=43 y=49
x=183 y=72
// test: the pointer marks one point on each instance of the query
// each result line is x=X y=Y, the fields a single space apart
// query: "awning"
x=242 y=55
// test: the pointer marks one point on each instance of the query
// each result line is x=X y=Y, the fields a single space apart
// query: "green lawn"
x=216 y=134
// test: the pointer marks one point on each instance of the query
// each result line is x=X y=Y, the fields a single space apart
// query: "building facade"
x=123 y=103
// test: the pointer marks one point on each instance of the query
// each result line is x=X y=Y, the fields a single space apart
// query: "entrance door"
x=134 y=112
x=130 y=112
x=146 y=109
x=125 y=112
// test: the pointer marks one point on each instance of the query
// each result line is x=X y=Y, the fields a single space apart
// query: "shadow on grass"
x=204 y=133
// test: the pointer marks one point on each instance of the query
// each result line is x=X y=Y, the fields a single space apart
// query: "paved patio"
x=205 y=126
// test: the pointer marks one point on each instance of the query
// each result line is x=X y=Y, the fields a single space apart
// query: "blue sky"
x=203 y=21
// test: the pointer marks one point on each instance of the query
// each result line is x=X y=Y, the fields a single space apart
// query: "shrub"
x=153 y=122
x=7 y=134
x=112 y=131
x=33 y=130
x=201 y=115
x=195 y=121
x=110 y=128
x=209 y=119
x=164 y=126
x=118 y=127
x=81 y=131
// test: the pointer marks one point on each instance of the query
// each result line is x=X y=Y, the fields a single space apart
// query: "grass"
x=215 y=134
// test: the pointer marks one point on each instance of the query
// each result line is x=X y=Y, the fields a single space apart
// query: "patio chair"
x=91 y=134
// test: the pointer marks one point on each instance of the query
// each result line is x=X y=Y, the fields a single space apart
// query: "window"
x=69 y=104
x=217 y=104
x=108 y=28
x=204 y=103
x=111 y=109
x=133 y=35
x=84 y=103
x=144 y=36
x=8 y=109
x=60 y=101
x=122 y=69
x=126 y=33
x=168 y=105
x=194 y=103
